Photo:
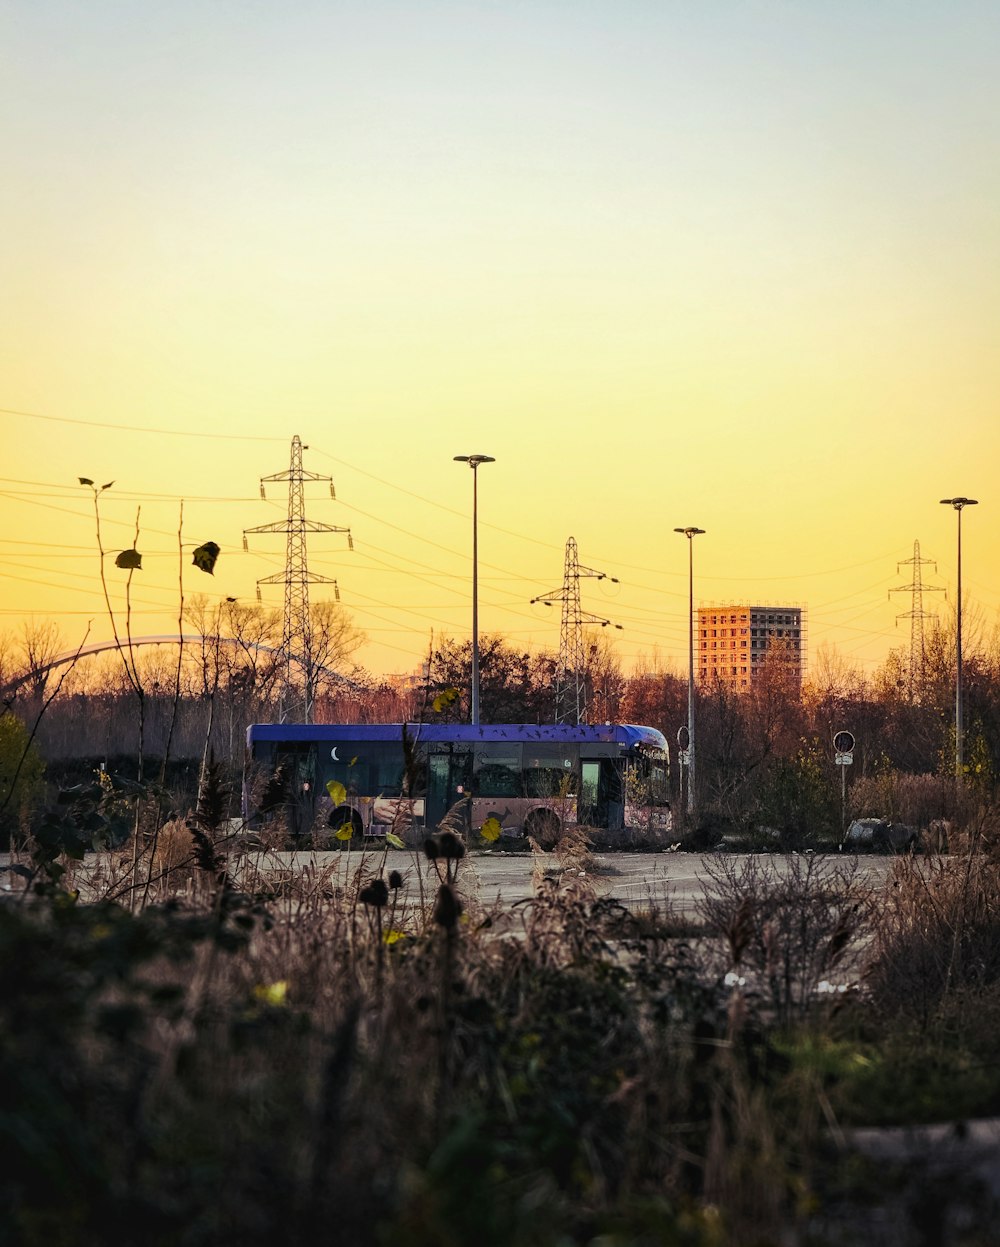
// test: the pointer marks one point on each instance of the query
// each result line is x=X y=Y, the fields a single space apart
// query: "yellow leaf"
x=345 y=832
x=394 y=840
x=491 y=830
x=271 y=993
x=353 y=761
x=337 y=791
x=393 y=937
x=445 y=698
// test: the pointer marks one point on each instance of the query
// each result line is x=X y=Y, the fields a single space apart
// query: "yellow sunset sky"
x=733 y=265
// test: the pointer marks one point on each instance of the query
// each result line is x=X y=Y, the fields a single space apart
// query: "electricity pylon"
x=916 y=614
x=298 y=690
x=571 y=673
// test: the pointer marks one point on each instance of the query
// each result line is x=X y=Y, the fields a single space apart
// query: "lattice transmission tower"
x=571 y=673
x=298 y=690
x=916 y=614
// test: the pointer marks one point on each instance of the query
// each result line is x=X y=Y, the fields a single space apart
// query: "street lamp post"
x=958 y=504
x=690 y=533
x=474 y=461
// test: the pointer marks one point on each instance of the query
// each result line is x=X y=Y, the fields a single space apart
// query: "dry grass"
x=786 y=930
x=352 y=1045
x=936 y=941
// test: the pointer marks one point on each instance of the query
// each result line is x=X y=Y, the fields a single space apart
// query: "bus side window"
x=590 y=773
x=497 y=770
x=497 y=780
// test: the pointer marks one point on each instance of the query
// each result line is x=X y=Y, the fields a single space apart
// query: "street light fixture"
x=690 y=533
x=474 y=461
x=958 y=504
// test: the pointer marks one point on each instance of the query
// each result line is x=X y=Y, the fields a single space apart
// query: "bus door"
x=589 y=810
x=449 y=777
x=601 y=803
x=613 y=786
x=296 y=763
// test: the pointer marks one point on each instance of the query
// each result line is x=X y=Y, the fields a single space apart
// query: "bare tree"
x=605 y=680
x=655 y=696
x=40 y=644
x=334 y=640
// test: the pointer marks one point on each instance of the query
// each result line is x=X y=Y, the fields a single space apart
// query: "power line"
x=135 y=428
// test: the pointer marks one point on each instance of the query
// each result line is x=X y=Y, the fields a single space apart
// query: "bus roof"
x=627 y=735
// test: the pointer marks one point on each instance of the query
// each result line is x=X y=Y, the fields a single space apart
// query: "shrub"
x=935 y=954
x=787 y=926
x=914 y=800
x=21 y=775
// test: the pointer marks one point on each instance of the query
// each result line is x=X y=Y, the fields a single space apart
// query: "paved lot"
x=635 y=879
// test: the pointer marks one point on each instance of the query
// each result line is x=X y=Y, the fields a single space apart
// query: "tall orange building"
x=735 y=642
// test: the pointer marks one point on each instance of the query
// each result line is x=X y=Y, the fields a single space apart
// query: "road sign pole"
x=843 y=803
x=843 y=744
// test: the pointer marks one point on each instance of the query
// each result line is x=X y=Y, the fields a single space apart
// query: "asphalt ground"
x=635 y=879
x=495 y=878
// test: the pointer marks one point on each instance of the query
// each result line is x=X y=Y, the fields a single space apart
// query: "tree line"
x=765 y=757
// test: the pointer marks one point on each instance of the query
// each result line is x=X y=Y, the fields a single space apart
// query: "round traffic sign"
x=843 y=742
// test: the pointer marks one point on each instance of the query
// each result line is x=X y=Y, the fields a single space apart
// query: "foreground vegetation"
x=197 y=1048
x=208 y=1052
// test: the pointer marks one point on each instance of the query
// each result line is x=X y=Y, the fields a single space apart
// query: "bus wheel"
x=543 y=826
x=343 y=816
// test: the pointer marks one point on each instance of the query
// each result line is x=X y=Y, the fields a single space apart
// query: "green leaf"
x=394 y=840
x=491 y=829
x=129 y=559
x=337 y=791
x=205 y=557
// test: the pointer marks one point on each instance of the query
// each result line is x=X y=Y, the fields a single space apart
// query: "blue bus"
x=533 y=779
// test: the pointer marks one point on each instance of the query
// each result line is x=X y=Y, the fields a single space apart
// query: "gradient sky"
x=727 y=264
